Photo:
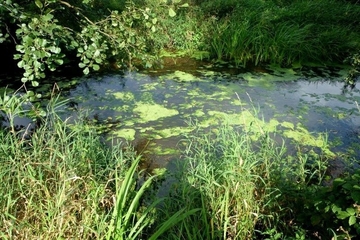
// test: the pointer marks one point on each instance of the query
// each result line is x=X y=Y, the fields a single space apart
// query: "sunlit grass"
x=60 y=181
x=241 y=184
x=54 y=178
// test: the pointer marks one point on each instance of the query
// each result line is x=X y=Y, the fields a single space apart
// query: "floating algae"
x=152 y=112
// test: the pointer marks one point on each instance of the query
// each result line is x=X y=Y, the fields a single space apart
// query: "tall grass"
x=284 y=32
x=59 y=181
x=50 y=183
x=241 y=185
x=255 y=31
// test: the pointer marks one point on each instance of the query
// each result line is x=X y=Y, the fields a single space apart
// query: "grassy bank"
x=100 y=35
x=248 y=31
x=60 y=181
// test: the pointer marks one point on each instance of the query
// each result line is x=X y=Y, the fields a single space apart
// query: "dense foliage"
x=48 y=33
x=41 y=35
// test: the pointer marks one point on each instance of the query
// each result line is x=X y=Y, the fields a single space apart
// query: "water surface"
x=300 y=104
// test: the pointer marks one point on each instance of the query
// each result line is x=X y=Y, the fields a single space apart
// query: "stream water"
x=307 y=106
x=155 y=110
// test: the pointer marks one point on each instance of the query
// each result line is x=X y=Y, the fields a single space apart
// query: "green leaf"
x=21 y=64
x=185 y=5
x=74 y=44
x=335 y=209
x=59 y=61
x=355 y=195
x=172 y=13
x=96 y=67
x=82 y=65
x=98 y=60
x=343 y=215
x=17 y=56
x=352 y=220
x=55 y=49
x=348 y=186
x=48 y=17
x=37 y=64
x=173 y=220
x=96 y=53
x=39 y=4
x=122 y=45
x=86 y=71
x=351 y=211
x=34 y=83
x=41 y=75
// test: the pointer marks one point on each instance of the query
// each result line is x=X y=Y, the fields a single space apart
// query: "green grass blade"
x=173 y=220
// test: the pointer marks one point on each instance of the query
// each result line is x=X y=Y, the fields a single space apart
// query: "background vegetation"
x=39 y=36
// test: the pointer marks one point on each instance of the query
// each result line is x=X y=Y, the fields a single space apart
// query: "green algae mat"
x=305 y=106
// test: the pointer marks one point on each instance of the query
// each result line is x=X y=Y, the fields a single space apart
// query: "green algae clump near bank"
x=256 y=127
x=125 y=96
x=126 y=133
x=152 y=112
x=180 y=76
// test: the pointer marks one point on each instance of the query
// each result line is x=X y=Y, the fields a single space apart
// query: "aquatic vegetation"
x=124 y=96
x=174 y=131
x=274 y=74
x=159 y=151
x=302 y=137
x=160 y=112
x=126 y=133
x=151 y=112
x=180 y=76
